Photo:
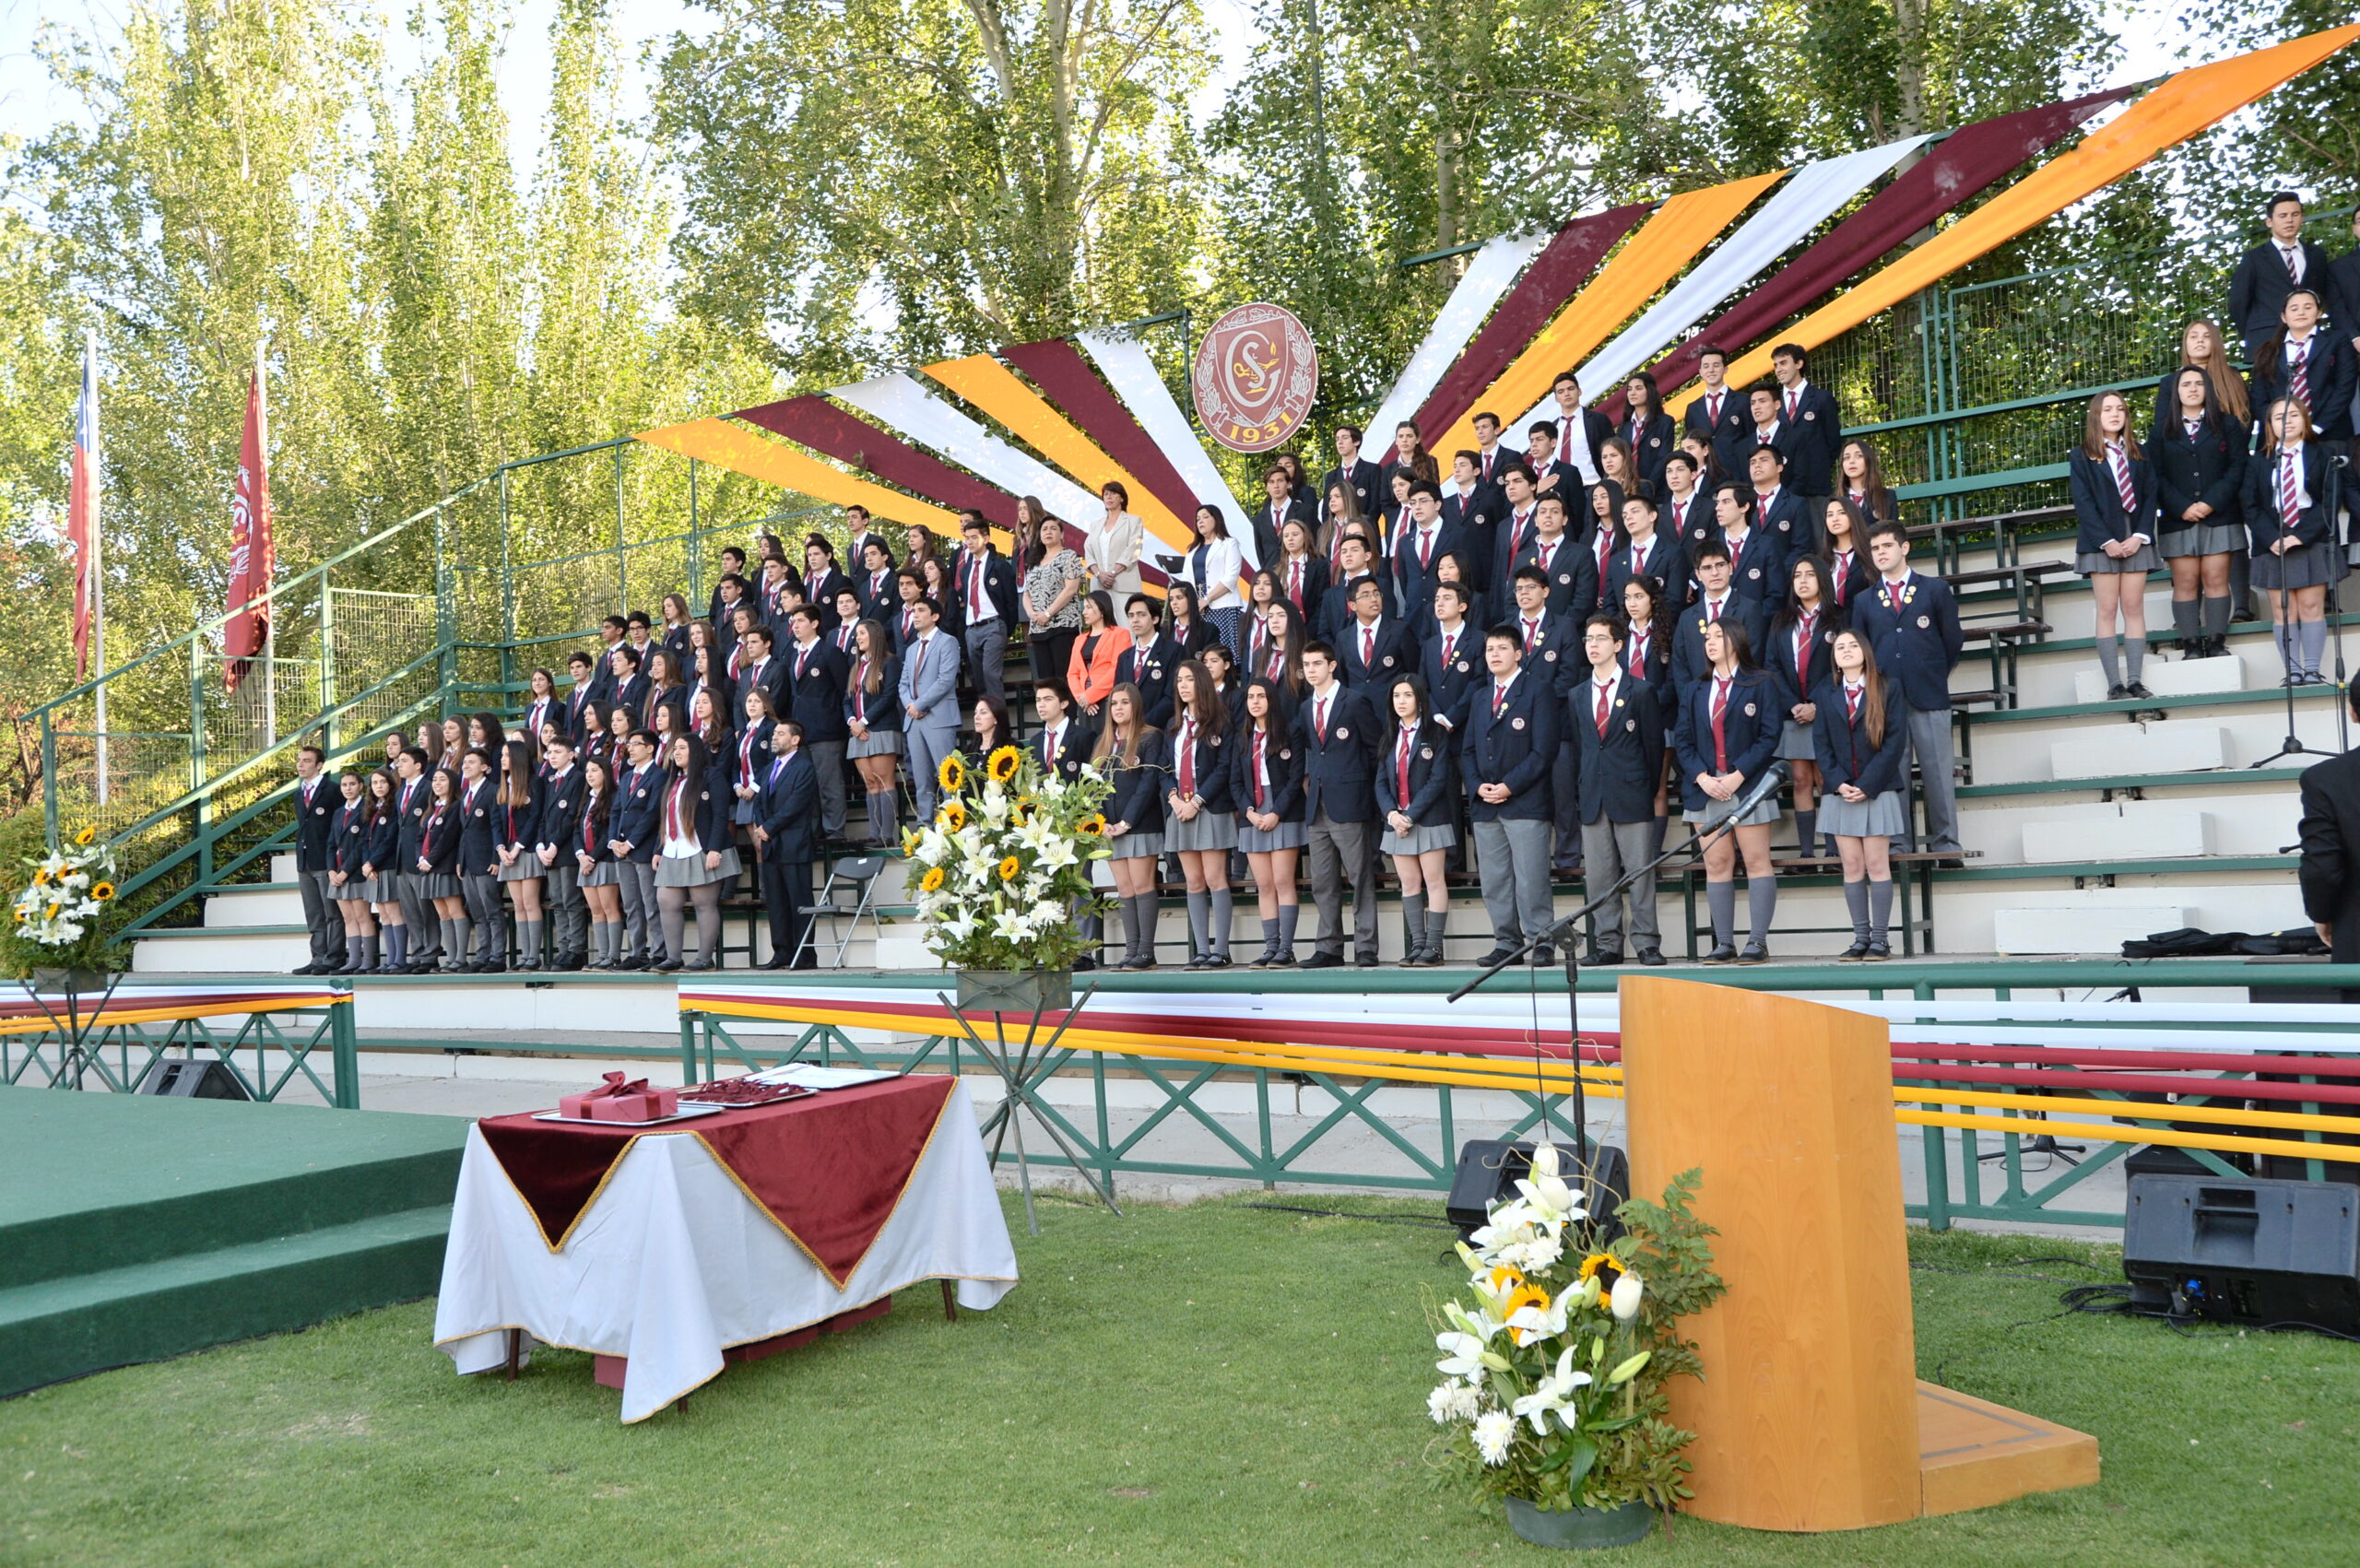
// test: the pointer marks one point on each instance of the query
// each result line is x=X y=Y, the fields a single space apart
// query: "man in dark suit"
x=1581 y=432
x=813 y=697
x=988 y=592
x=1513 y=730
x=2329 y=870
x=1757 y=558
x=1684 y=511
x=759 y=669
x=1374 y=647
x=1719 y=413
x=1782 y=515
x=1810 y=432
x=575 y=714
x=611 y=633
x=315 y=806
x=634 y=834
x=1715 y=601
x=1548 y=475
x=1451 y=661
x=779 y=579
x=1063 y=746
x=1618 y=733
x=1354 y=472
x=479 y=868
x=1427 y=534
x=785 y=846
x=1149 y=662
x=1645 y=551
x=1353 y=565
x=1490 y=455
x=1337 y=730
x=1912 y=622
x=626 y=686
x=564 y=793
x=2268 y=273
x=1280 y=507
x=862 y=533
x=1548 y=644
x=1564 y=566
x=733 y=565
x=411 y=797
x=1473 y=504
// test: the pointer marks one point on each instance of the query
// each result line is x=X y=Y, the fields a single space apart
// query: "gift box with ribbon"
x=616 y=1101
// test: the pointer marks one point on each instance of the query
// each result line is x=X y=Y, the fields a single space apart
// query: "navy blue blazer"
x=1553 y=651
x=1914 y=628
x=999 y=580
x=1336 y=606
x=709 y=822
x=1661 y=559
x=438 y=841
x=1777 y=656
x=382 y=848
x=1792 y=519
x=1840 y=743
x=1758 y=571
x=1339 y=767
x=314 y=819
x=1151 y=675
x=1314 y=585
x=1413 y=584
x=518 y=826
x=790 y=786
x=1516 y=746
x=348 y=837
x=1433 y=800
x=1688 y=661
x=1211 y=764
x=2209 y=468
x=880 y=710
x=1394 y=654
x=2329 y=374
x=2258 y=286
x=814 y=699
x=1449 y=687
x=561 y=809
x=479 y=843
x=749 y=754
x=1658 y=673
x=1731 y=434
x=1572 y=575
x=1070 y=756
x=410 y=820
x=1750 y=726
x=634 y=819
x=1139 y=789
x=1651 y=443
x=1810 y=440
x=591 y=837
x=1618 y=770
x=2098 y=511
x=2263 y=523
x=1282 y=760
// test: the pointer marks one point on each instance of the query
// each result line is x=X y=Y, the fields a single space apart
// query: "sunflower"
x=53 y=913
x=1004 y=763
x=104 y=892
x=932 y=881
x=1594 y=1262
x=953 y=774
x=1524 y=1295
x=1091 y=825
x=952 y=817
x=1009 y=869
x=86 y=835
x=40 y=876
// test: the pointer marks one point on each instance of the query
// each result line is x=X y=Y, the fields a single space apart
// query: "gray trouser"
x=642 y=923
x=1565 y=792
x=1338 y=850
x=828 y=762
x=418 y=913
x=570 y=917
x=319 y=914
x=987 y=655
x=929 y=744
x=1610 y=851
x=1512 y=857
x=482 y=894
x=1929 y=743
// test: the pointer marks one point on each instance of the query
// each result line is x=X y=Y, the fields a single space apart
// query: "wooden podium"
x=1810 y=1416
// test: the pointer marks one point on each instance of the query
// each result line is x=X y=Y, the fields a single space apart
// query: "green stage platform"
x=133 y=1227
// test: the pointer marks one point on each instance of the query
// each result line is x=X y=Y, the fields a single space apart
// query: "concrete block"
x=2165 y=745
x=2136 y=833
x=270 y=907
x=2087 y=930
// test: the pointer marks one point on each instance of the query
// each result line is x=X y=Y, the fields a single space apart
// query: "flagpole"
x=97 y=565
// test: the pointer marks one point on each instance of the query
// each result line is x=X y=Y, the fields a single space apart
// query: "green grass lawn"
x=1208 y=1385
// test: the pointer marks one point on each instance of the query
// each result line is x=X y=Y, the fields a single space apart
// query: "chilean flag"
x=252 y=558
x=82 y=510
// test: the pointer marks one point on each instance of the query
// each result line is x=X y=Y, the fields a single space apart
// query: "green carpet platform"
x=134 y=1228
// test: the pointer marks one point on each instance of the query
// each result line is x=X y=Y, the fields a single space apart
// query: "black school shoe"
x=1494 y=958
x=1324 y=961
x=1878 y=953
x=1653 y=958
x=1855 y=953
x=1755 y=952
x=1725 y=953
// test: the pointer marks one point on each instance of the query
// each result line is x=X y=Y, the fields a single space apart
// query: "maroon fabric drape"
x=1057 y=368
x=822 y=425
x=1959 y=168
x=1564 y=263
x=830 y=1168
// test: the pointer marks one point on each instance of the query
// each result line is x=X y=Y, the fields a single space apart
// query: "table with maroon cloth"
x=666 y=1246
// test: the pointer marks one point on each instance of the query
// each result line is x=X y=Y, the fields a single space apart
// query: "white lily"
x=1464 y=1355
x=1528 y=1323
x=1625 y=1299
x=1554 y=1391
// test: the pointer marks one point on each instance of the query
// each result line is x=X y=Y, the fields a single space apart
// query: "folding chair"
x=856 y=875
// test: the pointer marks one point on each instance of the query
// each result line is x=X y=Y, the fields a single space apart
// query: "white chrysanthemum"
x=1453 y=1401
x=1494 y=1430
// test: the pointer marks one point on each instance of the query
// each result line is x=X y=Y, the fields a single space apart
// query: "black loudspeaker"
x=1488 y=1171
x=2254 y=1252
x=188 y=1080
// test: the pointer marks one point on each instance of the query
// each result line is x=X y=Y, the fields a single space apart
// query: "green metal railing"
x=116 y=1057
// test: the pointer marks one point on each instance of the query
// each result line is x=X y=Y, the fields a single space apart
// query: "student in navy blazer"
x=1645 y=550
x=2268 y=273
x=1616 y=729
x=1336 y=729
x=1425 y=536
x=784 y=846
x=2199 y=453
x=631 y=833
x=347 y=883
x=1266 y=780
x=1450 y=659
x=1810 y=431
x=2324 y=360
x=1511 y=750
x=1715 y=601
x=2295 y=552
x=1911 y=622
x=1863 y=751
x=2113 y=510
x=1417 y=802
x=1797 y=654
x=1646 y=427
x=1718 y=413
x=1373 y=645
x=1730 y=727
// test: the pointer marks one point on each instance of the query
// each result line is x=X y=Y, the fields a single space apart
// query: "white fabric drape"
x=674 y=1262
x=1487 y=277
x=1810 y=196
x=908 y=409
x=1135 y=380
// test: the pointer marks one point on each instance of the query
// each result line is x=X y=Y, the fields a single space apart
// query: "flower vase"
x=1577 y=1530
x=1014 y=991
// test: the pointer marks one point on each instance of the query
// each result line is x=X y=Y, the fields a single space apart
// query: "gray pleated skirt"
x=1715 y=812
x=1137 y=846
x=2310 y=567
x=2096 y=563
x=385 y=887
x=355 y=890
x=1879 y=817
x=603 y=874
x=1417 y=839
x=1210 y=829
x=1794 y=743
x=1286 y=836
x=432 y=885
x=745 y=813
x=2204 y=538
x=877 y=743
x=525 y=868
x=688 y=870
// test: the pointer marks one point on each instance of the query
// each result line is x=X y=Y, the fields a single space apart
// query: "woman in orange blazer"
x=1090 y=669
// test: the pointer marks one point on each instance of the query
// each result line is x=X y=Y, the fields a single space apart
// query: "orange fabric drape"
x=742 y=452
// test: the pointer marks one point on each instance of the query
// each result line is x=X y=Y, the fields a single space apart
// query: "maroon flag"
x=252 y=558
x=82 y=512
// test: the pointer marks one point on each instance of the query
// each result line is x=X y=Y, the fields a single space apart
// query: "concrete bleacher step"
x=2156 y=746
x=254 y=904
x=2083 y=920
x=220 y=950
x=2173 y=677
x=2116 y=831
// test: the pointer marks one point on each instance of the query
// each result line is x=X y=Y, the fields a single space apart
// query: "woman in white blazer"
x=1111 y=545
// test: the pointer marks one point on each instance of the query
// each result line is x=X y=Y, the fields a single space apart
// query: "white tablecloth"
x=674 y=1262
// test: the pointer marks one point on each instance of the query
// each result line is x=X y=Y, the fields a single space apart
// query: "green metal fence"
x=269 y=1052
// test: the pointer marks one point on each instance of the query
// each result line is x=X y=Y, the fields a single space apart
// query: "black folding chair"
x=852 y=877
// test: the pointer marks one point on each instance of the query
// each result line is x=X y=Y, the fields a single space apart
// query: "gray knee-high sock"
x=1148 y=910
x=1437 y=926
x=2313 y=643
x=2283 y=635
x=1224 y=916
x=1269 y=938
x=1199 y=899
x=462 y=934
x=528 y=944
x=1722 y=898
x=396 y=946
x=1288 y=914
x=2188 y=620
x=1879 y=909
x=2216 y=620
x=2134 y=653
x=1413 y=923
x=1807 y=830
x=1761 y=902
x=2110 y=660
x=1855 y=900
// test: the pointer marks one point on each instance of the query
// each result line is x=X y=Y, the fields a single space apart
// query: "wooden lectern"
x=1810 y=1416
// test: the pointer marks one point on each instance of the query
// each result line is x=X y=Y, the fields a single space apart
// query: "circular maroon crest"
x=1256 y=374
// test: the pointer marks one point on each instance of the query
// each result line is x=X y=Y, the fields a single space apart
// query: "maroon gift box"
x=616 y=1101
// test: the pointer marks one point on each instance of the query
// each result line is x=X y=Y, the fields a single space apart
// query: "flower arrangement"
x=63 y=912
x=1554 y=1373
x=1008 y=863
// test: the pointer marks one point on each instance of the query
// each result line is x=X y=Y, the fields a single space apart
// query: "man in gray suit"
x=929 y=702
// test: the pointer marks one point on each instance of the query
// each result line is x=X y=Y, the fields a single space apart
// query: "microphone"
x=1760 y=789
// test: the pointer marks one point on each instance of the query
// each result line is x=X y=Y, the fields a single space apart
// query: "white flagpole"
x=97 y=563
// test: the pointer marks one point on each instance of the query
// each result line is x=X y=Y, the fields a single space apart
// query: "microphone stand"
x=2292 y=745
x=1771 y=778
